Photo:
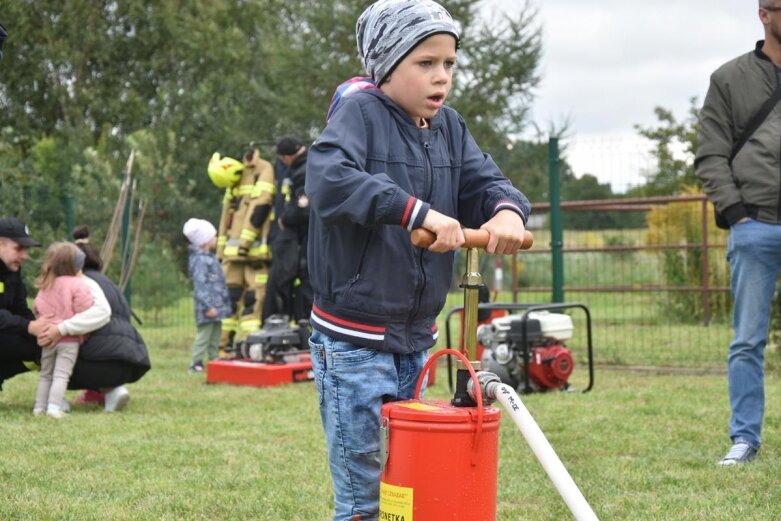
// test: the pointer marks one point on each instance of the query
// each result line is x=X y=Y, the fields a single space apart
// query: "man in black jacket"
x=19 y=351
x=288 y=291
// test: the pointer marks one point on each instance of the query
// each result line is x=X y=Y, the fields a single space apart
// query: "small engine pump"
x=544 y=356
x=277 y=342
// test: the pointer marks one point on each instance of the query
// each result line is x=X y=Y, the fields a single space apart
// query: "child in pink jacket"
x=62 y=293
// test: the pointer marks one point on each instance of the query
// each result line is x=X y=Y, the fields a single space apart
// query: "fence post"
x=705 y=265
x=557 y=242
x=125 y=245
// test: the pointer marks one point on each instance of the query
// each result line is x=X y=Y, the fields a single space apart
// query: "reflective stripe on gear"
x=260 y=250
x=262 y=186
x=248 y=235
x=31 y=365
x=230 y=324
x=231 y=248
x=245 y=190
x=249 y=325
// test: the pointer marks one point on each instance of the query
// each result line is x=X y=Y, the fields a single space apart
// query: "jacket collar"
x=758 y=51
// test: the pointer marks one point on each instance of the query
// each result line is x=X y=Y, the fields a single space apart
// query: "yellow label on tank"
x=419 y=406
x=395 y=503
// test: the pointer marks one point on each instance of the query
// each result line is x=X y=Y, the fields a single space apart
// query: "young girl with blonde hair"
x=63 y=292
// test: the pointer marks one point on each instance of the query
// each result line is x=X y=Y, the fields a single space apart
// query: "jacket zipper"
x=429 y=188
x=362 y=258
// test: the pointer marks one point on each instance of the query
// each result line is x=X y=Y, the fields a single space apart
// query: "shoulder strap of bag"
x=756 y=121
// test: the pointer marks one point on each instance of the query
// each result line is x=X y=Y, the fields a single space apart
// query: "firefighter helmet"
x=224 y=171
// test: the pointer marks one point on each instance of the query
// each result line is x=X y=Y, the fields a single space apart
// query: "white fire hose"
x=493 y=389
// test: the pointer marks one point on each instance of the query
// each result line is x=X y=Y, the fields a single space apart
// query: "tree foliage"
x=675 y=144
x=84 y=81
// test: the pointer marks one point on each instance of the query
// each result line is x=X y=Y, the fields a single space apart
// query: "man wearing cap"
x=19 y=351
x=288 y=291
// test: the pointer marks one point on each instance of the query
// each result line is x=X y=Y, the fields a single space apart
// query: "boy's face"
x=421 y=82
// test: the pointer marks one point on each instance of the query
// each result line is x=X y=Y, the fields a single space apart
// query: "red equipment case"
x=258 y=374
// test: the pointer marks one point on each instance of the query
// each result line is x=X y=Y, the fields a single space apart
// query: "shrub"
x=677 y=229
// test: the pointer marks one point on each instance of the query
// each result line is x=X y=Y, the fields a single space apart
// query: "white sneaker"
x=740 y=453
x=65 y=406
x=55 y=413
x=116 y=399
x=38 y=411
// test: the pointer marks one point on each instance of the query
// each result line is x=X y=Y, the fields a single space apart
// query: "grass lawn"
x=640 y=446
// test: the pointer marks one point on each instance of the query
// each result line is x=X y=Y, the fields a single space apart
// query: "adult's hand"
x=35 y=327
x=50 y=336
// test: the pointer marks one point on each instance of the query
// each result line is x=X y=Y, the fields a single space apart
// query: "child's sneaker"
x=56 y=413
x=196 y=367
x=38 y=411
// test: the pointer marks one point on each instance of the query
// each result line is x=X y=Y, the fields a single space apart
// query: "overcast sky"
x=607 y=63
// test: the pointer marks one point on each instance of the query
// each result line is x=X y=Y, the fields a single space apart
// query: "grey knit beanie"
x=389 y=29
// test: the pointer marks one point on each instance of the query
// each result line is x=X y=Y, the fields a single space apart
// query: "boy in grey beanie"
x=389 y=29
x=392 y=158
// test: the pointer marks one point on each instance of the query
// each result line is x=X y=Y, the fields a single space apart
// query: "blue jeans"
x=353 y=382
x=754 y=255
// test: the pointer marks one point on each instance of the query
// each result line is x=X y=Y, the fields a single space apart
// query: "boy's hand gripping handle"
x=423 y=238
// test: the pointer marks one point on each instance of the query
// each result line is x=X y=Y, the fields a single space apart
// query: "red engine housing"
x=550 y=366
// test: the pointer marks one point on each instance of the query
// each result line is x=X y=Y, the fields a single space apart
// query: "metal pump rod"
x=471 y=283
x=472 y=280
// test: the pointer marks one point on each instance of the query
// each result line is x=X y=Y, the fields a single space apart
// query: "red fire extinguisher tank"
x=433 y=471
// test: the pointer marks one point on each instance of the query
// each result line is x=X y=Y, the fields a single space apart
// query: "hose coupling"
x=489 y=383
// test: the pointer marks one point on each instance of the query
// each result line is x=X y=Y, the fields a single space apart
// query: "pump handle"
x=423 y=238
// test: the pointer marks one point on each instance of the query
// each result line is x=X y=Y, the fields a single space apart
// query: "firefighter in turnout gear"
x=242 y=239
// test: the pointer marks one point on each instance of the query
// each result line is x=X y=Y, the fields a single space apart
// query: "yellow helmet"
x=224 y=172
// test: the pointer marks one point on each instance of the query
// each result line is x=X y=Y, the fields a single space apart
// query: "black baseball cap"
x=12 y=228
x=288 y=146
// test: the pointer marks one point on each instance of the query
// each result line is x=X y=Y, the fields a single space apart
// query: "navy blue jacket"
x=372 y=176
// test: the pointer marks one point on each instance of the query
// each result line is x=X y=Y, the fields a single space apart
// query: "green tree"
x=675 y=143
x=85 y=81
